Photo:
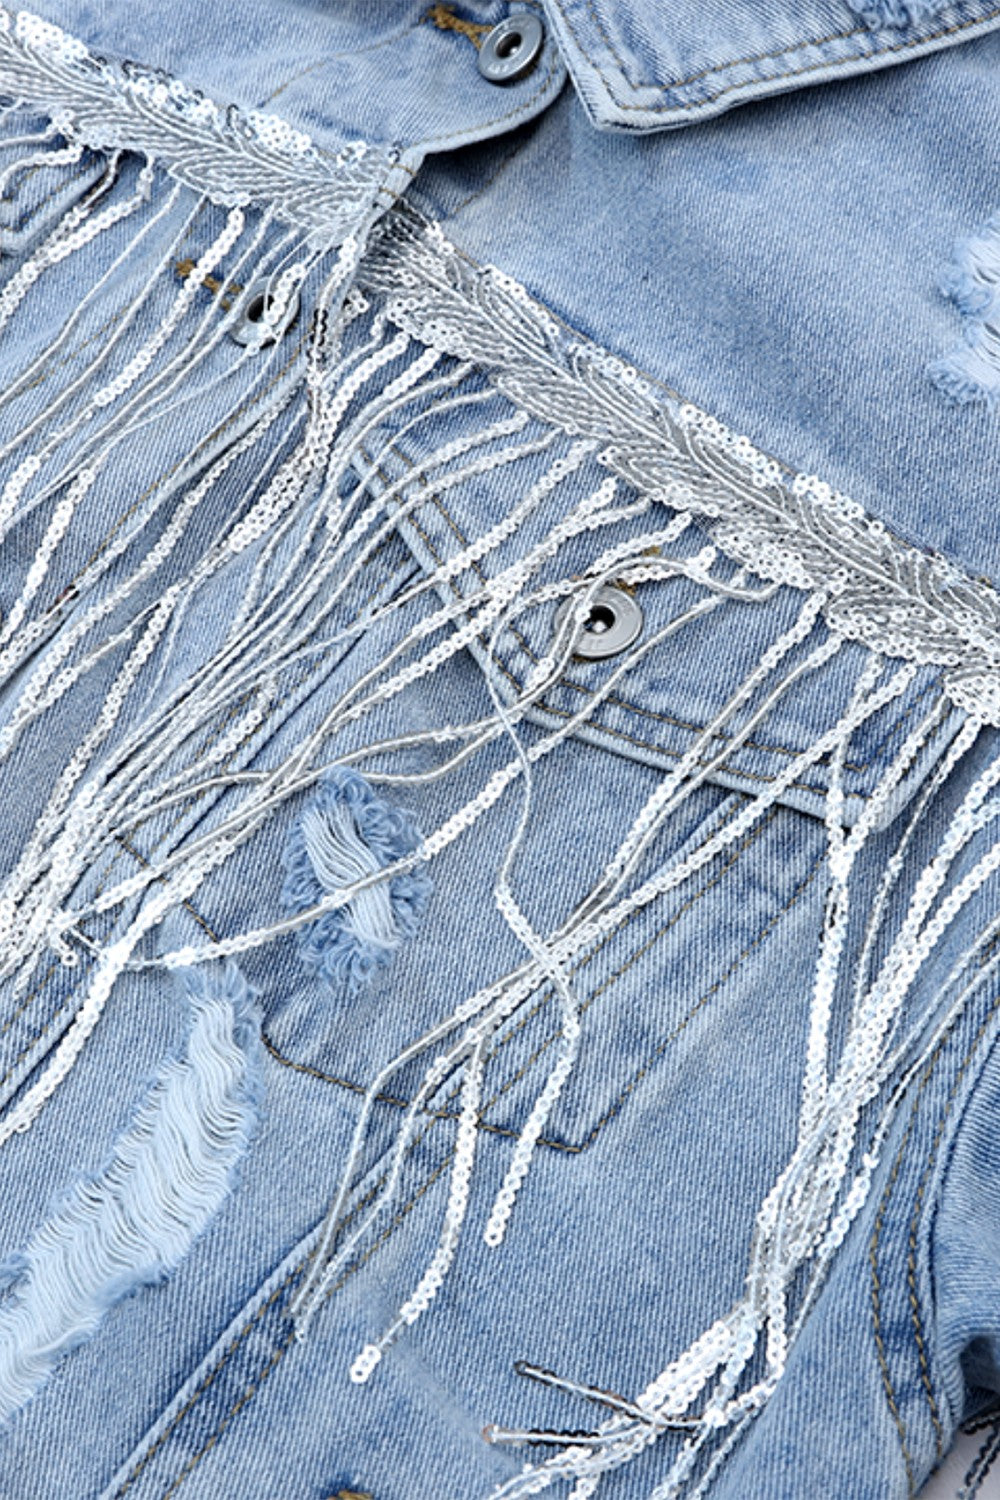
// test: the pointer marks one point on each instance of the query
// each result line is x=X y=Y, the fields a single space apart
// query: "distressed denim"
x=499 y=707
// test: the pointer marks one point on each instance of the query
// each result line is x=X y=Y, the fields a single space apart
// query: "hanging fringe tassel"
x=400 y=337
x=814 y=1200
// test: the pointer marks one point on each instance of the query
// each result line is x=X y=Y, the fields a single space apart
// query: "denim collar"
x=642 y=65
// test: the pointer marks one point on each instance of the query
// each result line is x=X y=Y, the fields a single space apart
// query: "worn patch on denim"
x=131 y=1223
x=348 y=834
x=971 y=371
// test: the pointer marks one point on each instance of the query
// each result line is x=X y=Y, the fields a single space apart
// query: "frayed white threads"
x=131 y=1224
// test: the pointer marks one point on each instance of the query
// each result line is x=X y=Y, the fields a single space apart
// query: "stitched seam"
x=68 y=359
x=741 y=849
x=38 y=1035
x=283 y=1348
x=231 y=1348
x=703 y=999
x=894 y=729
x=197 y=1394
x=622 y=703
x=247 y=1396
x=644 y=948
x=167 y=474
x=39 y=989
x=649 y=713
x=490 y=180
x=515 y=682
x=737 y=62
x=125 y=843
x=669 y=392
x=24 y=1006
x=318 y=668
x=870 y=564
x=911 y=1283
x=866 y=576
x=29 y=173
x=397 y=36
x=359 y=1088
x=131 y=849
x=436 y=141
x=911 y=1258
x=838 y=63
x=523 y=1021
x=876 y=1286
x=292 y=1276
x=376 y=1245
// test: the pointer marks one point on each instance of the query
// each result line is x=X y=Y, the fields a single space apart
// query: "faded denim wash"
x=499 y=707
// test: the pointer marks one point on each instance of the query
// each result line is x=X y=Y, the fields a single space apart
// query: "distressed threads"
x=345 y=834
x=133 y=1222
x=971 y=372
x=897 y=13
x=396 y=335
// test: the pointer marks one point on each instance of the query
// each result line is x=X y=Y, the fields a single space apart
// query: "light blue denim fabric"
x=440 y=1055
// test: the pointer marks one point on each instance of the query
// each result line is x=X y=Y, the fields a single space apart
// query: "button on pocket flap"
x=678 y=656
x=789 y=640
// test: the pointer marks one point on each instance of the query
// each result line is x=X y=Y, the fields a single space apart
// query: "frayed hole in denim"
x=346 y=833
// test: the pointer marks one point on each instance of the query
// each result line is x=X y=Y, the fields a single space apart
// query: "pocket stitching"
x=276 y=1357
x=576 y=1147
x=855 y=766
x=918 y=1209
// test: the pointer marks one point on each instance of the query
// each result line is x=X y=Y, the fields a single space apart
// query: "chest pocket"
x=673 y=982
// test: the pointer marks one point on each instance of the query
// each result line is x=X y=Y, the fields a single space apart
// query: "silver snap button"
x=254 y=327
x=614 y=623
x=512 y=48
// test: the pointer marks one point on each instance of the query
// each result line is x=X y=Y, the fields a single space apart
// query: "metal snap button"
x=254 y=327
x=512 y=48
x=614 y=623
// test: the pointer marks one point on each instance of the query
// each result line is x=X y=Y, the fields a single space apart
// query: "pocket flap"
x=668 y=697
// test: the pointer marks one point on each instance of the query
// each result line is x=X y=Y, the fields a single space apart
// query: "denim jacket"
x=499 y=707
